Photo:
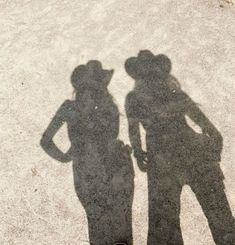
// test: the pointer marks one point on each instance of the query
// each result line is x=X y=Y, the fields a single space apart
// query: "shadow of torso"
x=172 y=145
x=102 y=169
x=178 y=155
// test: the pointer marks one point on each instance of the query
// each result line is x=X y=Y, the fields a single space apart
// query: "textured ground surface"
x=41 y=43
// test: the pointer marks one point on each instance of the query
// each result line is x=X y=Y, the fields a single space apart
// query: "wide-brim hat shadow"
x=91 y=75
x=145 y=63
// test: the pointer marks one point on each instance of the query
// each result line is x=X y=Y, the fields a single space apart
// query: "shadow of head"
x=92 y=75
x=147 y=64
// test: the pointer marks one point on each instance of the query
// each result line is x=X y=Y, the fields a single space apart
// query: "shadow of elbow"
x=44 y=143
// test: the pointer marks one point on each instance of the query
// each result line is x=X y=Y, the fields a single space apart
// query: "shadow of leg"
x=212 y=198
x=164 y=211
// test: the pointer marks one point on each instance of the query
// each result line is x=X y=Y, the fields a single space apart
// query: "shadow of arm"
x=134 y=135
x=207 y=127
x=46 y=141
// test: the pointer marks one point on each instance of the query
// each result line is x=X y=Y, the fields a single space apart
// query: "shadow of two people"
x=176 y=155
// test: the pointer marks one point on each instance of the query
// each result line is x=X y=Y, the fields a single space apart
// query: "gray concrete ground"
x=42 y=42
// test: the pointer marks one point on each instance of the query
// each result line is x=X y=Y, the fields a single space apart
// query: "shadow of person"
x=102 y=166
x=177 y=154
